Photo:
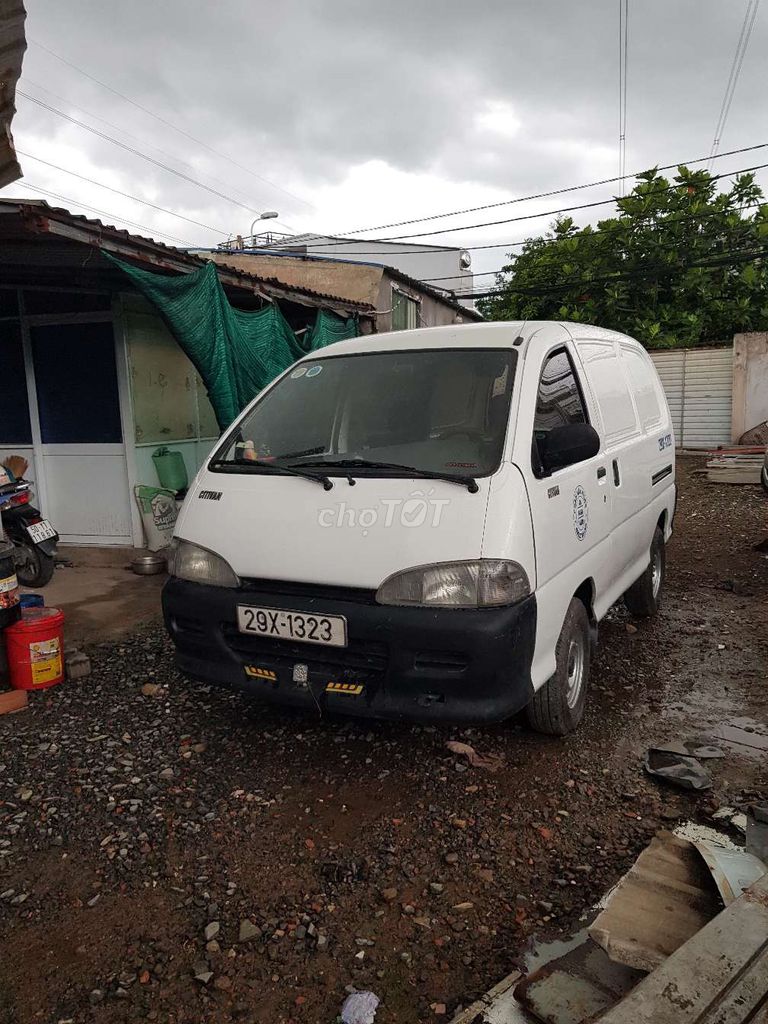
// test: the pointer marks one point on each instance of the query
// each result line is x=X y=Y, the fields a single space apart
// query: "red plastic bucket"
x=35 y=649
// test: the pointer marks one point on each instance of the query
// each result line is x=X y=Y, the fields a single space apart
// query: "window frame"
x=402 y=296
x=536 y=466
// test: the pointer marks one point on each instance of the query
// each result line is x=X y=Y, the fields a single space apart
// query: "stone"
x=167 y=773
x=212 y=930
x=451 y=858
x=248 y=931
x=389 y=895
x=96 y=996
x=202 y=973
x=436 y=887
x=223 y=983
x=150 y=689
x=77 y=665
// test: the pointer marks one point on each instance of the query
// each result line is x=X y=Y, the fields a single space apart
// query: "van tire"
x=644 y=596
x=556 y=709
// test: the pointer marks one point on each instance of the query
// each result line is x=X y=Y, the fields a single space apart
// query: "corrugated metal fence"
x=699 y=386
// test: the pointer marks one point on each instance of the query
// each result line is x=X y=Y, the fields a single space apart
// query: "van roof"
x=498 y=334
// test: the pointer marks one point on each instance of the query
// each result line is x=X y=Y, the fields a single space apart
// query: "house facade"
x=92 y=381
x=400 y=302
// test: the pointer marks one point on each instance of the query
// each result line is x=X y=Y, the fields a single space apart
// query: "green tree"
x=680 y=264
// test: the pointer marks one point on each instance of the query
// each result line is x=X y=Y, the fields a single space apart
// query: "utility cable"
x=546 y=213
x=723 y=260
x=738 y=59
x=136 y=152
x=546 y=195
x=169 y=124
x=104 y=213
x=128 y=135
x=126 y=195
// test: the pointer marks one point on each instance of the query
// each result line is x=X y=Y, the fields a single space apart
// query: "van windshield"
x=438 y=411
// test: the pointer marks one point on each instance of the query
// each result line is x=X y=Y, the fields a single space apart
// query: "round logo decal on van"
x=580 y=512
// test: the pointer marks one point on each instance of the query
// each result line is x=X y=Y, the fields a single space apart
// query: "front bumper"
x=463 y=665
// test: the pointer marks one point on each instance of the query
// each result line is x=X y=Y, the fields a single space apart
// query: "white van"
x=429 y=524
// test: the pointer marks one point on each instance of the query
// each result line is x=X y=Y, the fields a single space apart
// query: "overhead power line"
x=143 y=143
x=136 y=152
x=543 y=213
x=553 y=192
x=727 y=259
x=667 y=222
x=623 y=46
x=117 y=192
x=738 y=59
x=170 y=124
x=105 y=213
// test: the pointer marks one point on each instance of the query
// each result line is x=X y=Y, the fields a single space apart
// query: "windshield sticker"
x=314 y=371
x=580 y=512
x=298 y=372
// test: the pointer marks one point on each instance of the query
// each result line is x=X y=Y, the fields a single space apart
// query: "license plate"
x=41 y=531
x=330 y=630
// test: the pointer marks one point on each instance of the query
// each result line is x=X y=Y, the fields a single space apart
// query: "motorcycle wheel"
x=33 y=567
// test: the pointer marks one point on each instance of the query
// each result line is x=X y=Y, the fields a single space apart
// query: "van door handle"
x=601 y=473
x=616 y=476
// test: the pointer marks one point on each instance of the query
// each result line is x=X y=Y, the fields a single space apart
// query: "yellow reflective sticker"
x=256 y=672
x=351 y=689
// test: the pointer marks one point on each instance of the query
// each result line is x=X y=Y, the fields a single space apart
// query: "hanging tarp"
x=236 y=353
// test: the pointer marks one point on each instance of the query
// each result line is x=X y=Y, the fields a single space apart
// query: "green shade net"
x=236 y=353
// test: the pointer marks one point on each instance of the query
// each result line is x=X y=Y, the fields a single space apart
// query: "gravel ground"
x=178 y=854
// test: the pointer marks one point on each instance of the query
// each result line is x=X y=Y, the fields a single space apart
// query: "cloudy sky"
x=349 y=114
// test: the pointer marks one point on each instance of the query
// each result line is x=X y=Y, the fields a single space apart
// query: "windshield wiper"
x=275 y=465
x=317 y=450
x=428 y=474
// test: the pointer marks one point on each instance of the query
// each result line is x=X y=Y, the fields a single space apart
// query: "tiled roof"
x=158 y=254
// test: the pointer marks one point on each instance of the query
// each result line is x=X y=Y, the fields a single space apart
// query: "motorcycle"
x=34 y=539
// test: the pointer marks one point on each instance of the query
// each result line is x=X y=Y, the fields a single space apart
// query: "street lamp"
x=269 y=215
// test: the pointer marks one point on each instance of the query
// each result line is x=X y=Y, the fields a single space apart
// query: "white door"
x=82 y=453
x=570 y=508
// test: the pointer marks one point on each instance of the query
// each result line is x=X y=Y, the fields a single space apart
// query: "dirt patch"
x=336 y=838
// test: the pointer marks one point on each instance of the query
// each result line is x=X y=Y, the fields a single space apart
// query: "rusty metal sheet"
x=665 y=898
x=13 y=43
x=577 y=987
x=720 y=976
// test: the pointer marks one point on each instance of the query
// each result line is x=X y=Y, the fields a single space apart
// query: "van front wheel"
x=558 y=707
x=644 y=596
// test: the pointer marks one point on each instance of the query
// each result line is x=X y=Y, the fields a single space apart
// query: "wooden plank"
x=13 y=700
x=720 y=976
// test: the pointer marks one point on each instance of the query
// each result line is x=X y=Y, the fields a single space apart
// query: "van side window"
x=559 y=401
x=641 y=379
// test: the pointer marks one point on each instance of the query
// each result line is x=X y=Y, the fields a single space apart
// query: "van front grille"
x=362 y=655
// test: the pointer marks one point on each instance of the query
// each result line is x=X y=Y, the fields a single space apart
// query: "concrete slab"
x=99 y=595
x=720 y=976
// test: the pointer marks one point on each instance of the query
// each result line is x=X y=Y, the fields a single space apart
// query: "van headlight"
x=485 y=583
x=189 y=561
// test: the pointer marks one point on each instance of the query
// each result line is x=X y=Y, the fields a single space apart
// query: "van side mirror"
x=567 y=445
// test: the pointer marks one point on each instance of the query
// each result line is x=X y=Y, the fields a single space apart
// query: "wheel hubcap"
x=656 y=573
x=575 y=672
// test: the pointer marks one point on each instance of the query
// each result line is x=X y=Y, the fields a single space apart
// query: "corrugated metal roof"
x=40 y=218
x=13 y=43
